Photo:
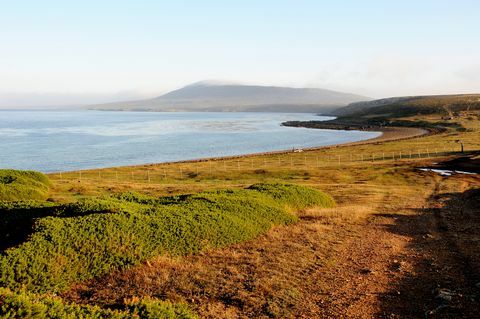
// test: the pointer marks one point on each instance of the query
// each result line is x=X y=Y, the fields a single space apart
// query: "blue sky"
x=102 y=50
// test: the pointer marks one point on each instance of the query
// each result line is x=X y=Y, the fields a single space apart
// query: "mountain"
x=220 y=96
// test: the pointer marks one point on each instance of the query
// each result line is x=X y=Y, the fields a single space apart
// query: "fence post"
x=148 y=176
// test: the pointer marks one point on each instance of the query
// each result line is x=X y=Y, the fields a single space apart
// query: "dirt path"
x=364 y=268
x=414 y=263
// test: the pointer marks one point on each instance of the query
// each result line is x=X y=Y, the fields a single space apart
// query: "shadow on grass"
x=440 y=277
x=16 y=224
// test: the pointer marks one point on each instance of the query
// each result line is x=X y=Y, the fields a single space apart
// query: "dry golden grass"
x=339 y=215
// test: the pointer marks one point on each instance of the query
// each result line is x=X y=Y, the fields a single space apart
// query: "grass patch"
x=27 y=305
x=23 y=185
x=92 y=237
x=294 y=197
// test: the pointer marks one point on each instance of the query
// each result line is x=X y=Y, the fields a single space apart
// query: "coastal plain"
x=349 y=231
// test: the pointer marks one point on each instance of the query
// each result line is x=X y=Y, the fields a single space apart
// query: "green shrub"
x=25 y=205
x=293 y=196
x=23 y=185
x=95 y=236
x=27 y=305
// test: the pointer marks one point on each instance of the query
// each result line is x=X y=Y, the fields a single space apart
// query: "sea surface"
x=50 y=141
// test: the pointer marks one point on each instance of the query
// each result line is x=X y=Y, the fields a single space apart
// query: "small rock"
x=477 y=285
x=444 y=296
x=435 y=311
x=366 y=271
x=397 y=265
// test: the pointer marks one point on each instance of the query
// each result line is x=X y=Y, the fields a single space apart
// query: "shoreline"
x=388 y=134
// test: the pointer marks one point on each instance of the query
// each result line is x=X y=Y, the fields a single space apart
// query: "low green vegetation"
x=294 y=197
x=76 y=242
x=27 y=305
x=23 y=185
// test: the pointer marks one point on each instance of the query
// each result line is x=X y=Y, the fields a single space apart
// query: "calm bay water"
x=51 y=141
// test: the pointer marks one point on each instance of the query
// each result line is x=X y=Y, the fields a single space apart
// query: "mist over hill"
x=224 y=97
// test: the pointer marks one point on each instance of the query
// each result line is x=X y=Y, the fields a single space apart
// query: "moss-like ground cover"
x=23 y=185
x=92 y=237
x=28 y=305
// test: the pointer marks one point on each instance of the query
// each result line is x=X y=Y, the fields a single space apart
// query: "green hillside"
x=447 y=105
x=23 y=185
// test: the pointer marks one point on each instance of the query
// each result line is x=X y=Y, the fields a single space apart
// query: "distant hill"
x=447 y=105
x=214 y=96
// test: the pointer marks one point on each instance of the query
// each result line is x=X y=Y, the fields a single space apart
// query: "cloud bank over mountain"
x=224 y=96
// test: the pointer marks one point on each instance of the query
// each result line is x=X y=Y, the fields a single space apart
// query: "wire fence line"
x=298 y=160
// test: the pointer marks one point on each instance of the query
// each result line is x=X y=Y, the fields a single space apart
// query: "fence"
x=159 y=173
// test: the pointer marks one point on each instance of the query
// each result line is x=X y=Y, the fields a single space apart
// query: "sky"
x=81 y=52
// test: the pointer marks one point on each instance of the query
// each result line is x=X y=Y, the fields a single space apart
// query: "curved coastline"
x=90 y=140
x=388 y=133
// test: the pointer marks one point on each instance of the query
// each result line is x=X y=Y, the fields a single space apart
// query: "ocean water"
x=50 y=141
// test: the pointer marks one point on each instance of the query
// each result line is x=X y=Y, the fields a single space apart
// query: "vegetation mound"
x=23 y=185
x=92 y=237
x=27 y=305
